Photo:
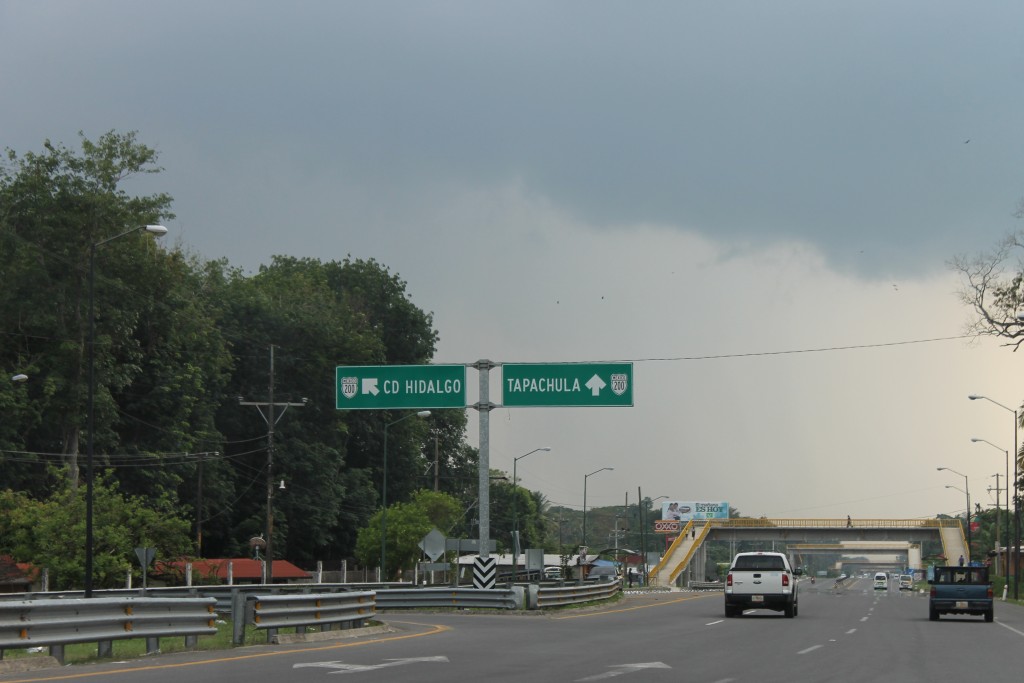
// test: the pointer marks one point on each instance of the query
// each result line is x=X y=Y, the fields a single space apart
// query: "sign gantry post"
x=484 y=573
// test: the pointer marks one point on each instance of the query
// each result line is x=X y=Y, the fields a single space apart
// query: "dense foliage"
x=178 y=341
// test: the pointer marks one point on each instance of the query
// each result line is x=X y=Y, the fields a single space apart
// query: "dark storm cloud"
x=842 y=124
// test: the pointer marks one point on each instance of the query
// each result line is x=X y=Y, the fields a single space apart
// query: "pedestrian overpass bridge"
x=686 y=558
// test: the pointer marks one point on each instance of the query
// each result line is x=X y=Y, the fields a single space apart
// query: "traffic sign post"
x=383 y=387
x=567 y=384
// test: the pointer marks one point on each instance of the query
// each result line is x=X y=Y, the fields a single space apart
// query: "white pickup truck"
x=761 y=581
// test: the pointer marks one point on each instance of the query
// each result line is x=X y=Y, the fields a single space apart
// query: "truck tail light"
x=785 y=579
x=728 y=580
x=989 y=593
x=932 y=592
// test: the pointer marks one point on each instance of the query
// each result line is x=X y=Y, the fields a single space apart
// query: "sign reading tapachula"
x=567 y=384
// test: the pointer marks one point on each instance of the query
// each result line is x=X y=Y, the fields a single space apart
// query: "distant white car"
x=906 y=582
x=881 y=581
x=553 y=573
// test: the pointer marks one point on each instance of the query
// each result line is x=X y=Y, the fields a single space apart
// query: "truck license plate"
x=961 y=604
x=756 y=598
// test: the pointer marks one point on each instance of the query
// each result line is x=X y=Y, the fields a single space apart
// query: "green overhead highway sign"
x=382 y=387
x=567 y=384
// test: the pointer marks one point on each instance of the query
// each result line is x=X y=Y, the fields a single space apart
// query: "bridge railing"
x=821 y=523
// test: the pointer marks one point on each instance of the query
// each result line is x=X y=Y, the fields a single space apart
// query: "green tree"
x=53 y=206
x=50 y=533
x=407 y=524
x=178 y=339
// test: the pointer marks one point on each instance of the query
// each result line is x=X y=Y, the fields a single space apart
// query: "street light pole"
x=1016 y=498
x=384 y=493
x=966 y=492
x=515 y=490
x=1006 y=562
x=585 y=477
x=157 y=231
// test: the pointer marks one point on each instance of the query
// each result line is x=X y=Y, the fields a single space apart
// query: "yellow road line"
x=630 y=609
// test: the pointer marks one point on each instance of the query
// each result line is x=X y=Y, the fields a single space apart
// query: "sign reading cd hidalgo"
x=368 y=387
x=567 y=384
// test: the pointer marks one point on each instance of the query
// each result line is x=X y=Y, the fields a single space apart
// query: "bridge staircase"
x=679 y=554
x=954 y=546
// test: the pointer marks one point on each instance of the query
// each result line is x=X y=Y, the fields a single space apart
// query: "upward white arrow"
x=595 y=384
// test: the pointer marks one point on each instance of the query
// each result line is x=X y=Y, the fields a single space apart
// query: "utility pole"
x=998 y=553
x=271 y=420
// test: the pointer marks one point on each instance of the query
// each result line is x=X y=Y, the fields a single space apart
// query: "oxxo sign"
x=667 y=526
x=374 y=387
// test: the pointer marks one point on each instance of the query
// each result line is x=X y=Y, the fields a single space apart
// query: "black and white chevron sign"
x=484 y=572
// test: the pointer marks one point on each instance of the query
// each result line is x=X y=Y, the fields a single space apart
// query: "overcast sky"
x=695 y=187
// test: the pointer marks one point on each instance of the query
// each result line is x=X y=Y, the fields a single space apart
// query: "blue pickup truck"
x=960 y=590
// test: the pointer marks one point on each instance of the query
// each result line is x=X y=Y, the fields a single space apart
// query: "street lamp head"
x=423 y=413
x=974 y=397
x=941 y=468
x=19 y=378
x=156 y=230
x=975 y=440
x=544 y=448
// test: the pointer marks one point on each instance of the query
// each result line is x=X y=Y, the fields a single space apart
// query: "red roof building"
x=244 y=570
x=16 y=577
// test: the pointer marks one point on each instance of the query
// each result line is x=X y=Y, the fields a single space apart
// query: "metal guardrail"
x=223 y=594
x=573 y=595
x=325 y=610
x=59 y=622
x=53 y=619
x=412 y=598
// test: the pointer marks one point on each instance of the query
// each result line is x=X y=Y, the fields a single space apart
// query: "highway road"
x=846 y=635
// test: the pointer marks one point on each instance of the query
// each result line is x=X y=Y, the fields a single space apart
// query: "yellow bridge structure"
x=687 y=554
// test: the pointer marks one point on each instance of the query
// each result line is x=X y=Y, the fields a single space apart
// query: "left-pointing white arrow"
x=620 y=669
x=342 y=668
x=339 y=667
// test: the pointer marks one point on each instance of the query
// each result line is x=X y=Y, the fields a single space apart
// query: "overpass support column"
x=914 y=557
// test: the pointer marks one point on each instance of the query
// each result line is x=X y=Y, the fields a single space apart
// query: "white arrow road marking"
x=620 y=669
x=370 y=386
x=342 y=668
x=595 y=384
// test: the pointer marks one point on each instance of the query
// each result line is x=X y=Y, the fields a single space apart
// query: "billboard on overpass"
x=685 y=510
